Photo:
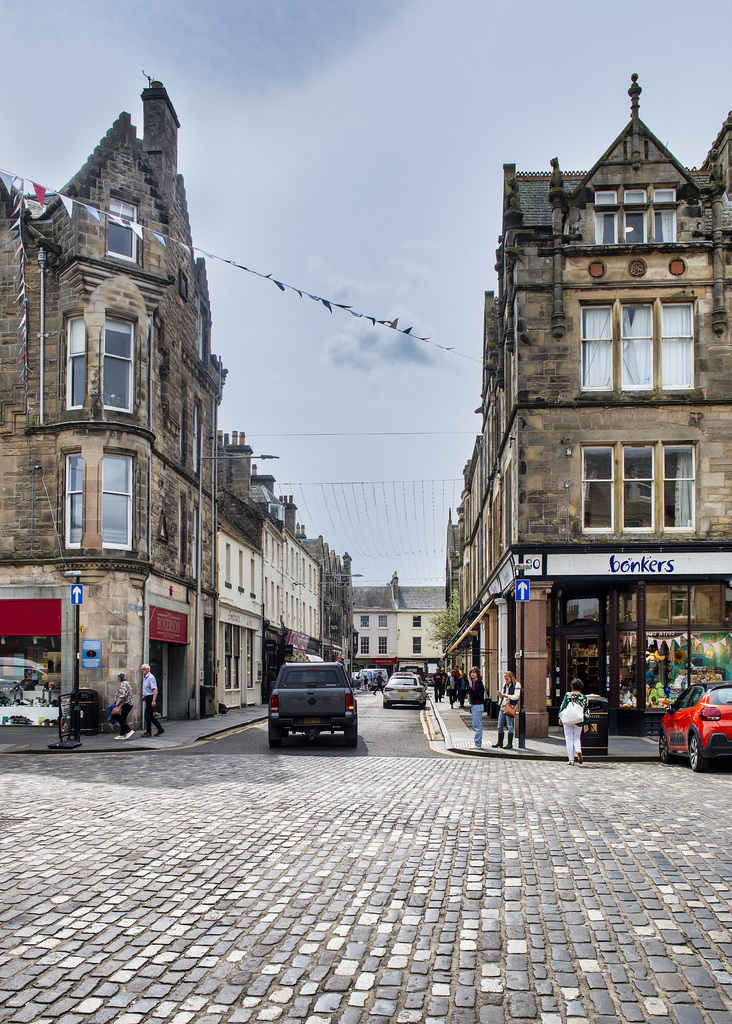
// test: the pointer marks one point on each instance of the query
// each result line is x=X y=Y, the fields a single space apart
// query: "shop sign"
x=31 y=618
x=170 y=627
x=658 y=564
x=240 y=619
x=298 y=640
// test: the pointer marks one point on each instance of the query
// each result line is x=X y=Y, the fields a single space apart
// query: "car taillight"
x=274 y=702
x=350 y=706
x=710 y=714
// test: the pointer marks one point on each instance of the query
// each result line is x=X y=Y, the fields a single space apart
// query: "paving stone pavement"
x=319 y=890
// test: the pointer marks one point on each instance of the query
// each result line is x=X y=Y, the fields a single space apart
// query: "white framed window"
x=74 y=500
x=382 y=645
x=664 y=195
x=117 y=502
x=678 y=487
x=597 y=489
x=637 y=348
x=664 y=225
x=118 y=365
x=364 y=621
x=416 y=645
x=606 y=198
x=416 y=622
x=364 y=645
x=635 y=226
x=383 y=621
x=75 y=362
x=606 y=227
x=634 y=196
x=121 y=238
x=232 y=651
x=597 y=348
x=677 y=347
x=638 y=488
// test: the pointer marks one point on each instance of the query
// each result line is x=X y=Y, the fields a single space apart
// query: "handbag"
x=510 y=710
x=573 y=714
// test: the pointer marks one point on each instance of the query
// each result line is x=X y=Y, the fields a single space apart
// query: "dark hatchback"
x=698 y=725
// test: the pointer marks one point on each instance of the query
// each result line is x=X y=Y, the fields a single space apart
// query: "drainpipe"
x=42 y=334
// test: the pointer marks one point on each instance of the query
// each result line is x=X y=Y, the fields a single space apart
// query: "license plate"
x=311 y=721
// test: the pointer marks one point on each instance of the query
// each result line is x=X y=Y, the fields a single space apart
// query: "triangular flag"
x=187 y=248
x=40 y=193
x=279 y=284
x=93 y=212
x=160 y=238
x=137 y=228
x=68 y=203
x=7 y=180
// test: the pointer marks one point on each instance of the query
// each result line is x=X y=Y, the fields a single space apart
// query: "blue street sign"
x=77 y=594
x=91 y=654
x=523 y=590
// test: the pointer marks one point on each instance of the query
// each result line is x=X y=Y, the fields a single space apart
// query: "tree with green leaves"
x=443 y=625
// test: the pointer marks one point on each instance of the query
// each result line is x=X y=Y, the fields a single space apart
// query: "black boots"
x=509 y=745
x=500 y=740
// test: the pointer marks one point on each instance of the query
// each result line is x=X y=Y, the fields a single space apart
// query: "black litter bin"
x=594 y=741
x=208 y=701
x=88 y=704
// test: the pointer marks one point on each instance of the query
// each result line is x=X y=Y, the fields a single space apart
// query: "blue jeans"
x=476 y=712
x=505 y=720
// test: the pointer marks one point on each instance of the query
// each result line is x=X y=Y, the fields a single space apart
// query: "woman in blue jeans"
x=476 y=693
x=509 y=694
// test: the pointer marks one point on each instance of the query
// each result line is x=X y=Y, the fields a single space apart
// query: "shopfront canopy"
x=469 y=629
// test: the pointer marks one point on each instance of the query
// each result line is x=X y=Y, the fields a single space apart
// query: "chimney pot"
x=235 y=437
x=226 y=440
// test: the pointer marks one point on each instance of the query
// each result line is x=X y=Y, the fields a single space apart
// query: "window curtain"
x=676 y=347
x=637 y=348
x=665 y=225
x=679 y=497
x=597 y=348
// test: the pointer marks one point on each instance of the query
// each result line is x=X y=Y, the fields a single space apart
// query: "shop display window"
x=707 y=603
x=711 y=657
x=666 y=658
x=30 y=679
x=627 y=606
x=585 y=608
x=628 y=659
x=657 y=605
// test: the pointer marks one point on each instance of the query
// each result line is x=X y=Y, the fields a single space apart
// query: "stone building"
x=106 y=404
x=604 y=464
x=392 y=623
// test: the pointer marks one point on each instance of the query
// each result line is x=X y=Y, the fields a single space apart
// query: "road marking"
x=431 y=735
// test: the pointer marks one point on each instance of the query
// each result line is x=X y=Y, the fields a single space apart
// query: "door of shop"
x=584 y=659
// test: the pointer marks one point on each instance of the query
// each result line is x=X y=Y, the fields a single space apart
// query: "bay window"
x=117 y=365
x=121 y=238
x=116 y=501
x=75 y=362
x=74 y=500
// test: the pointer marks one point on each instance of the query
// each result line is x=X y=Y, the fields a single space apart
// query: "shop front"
x=168 y=635
x=30 y=661
x=637 y=629
x=240 y=659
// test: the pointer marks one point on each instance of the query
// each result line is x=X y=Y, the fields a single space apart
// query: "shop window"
x=665 y=677
x=627 y=606
x=121 y=237
x=657 y=605
x=232 y=649
x=76 y=363
x=637 y=488
x=707 y=603
x=711 y=656
x=586 y=609
x=116 y=502
x=679 y=604
x=597 y=489
x=117 y=365
x=74 y=500
x=628 y=657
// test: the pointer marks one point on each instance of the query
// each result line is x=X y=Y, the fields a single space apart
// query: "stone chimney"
x=237 y=465
x=160 y=134
x=395 y=587
x=290 y=515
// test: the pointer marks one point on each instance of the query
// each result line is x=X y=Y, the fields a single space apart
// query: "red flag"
x=40 y=193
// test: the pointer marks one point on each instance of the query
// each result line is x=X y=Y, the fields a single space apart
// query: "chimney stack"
x=160 y=134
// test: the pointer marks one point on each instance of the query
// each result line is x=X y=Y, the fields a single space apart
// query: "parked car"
x=698 y=725
x=405 y=688
x=312 y=699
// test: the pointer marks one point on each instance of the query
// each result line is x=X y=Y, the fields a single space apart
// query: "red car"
x=698 y=725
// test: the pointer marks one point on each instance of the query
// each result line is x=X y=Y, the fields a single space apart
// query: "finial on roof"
x=634 y=92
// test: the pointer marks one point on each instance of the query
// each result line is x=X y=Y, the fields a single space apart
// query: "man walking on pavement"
x=149 y=696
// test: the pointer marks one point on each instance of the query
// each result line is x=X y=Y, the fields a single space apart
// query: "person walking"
x=575 y=704
x=149 y=696
x=510 y=695
x=461 y=686
x=380 y=683
x=122 y=707
x=451 y=687
x=439 y=681
x=476 y=693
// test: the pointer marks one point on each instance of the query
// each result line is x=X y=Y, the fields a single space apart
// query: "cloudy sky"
x=354 y=149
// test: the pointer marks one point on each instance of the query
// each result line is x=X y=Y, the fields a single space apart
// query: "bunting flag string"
x=43 y=194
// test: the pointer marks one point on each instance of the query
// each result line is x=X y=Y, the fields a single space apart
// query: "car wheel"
x=699 y=763
x=274 y=736
x=387 y=704
x=350 y=736
x=663 y=751
x=423 y=706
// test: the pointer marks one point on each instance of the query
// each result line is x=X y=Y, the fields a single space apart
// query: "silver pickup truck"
x=311 y=699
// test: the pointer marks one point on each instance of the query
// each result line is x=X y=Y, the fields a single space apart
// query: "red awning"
x=31 y=618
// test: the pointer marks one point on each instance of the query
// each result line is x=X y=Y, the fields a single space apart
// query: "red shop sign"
x=31 y=618
x=170 y=627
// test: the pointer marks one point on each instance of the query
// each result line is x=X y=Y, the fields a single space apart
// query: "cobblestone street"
x=316 y=890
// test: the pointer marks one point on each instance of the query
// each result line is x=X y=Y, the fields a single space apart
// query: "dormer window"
x=121 y=238
x=606 y=221
x=664 y=217
x=634 y=197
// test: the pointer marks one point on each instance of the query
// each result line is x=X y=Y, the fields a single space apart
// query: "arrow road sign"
x=523 y=590
x=77 y=594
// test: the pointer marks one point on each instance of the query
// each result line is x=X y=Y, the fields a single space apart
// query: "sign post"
x=69 y=712
x=523 y=594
